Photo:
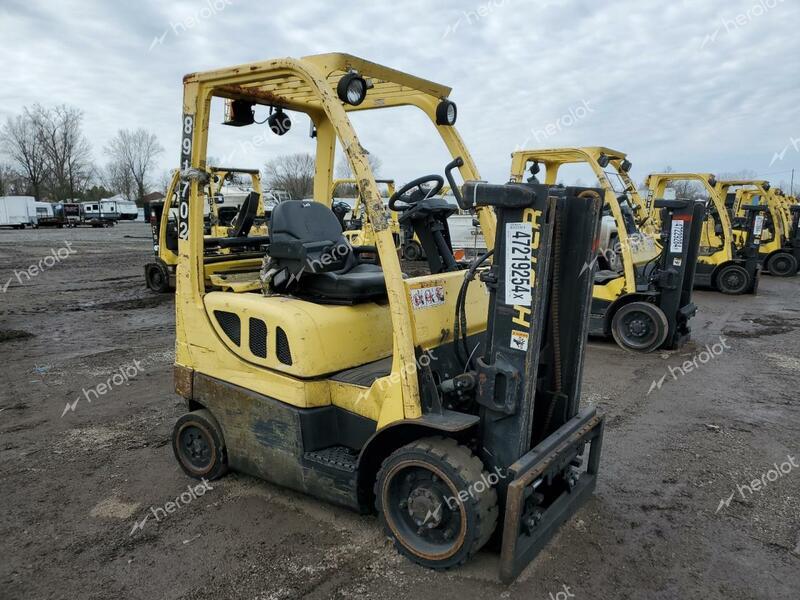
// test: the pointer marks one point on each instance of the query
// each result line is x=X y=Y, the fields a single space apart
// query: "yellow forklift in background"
x=642 y=295
x=225 y=216
x=357 y=229
x=721 y=265
x=778 y=252
x=448 y=403
x=221 y=228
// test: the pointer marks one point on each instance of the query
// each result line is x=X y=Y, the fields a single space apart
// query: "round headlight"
x=279 y=122
x=352 y=88
x=446 y=113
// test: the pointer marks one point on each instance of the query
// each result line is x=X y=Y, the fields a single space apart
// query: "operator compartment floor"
x=365 y=375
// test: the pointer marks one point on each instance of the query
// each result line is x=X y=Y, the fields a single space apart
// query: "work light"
x=625 y=166
x=279 y=122
x=352 y=89
x=446 y=113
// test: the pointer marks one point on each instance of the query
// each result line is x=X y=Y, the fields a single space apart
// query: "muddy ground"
x=76 y=478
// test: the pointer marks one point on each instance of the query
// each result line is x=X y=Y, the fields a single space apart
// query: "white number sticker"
x=518 y=264
x=187 y=132
x=759 y=226
x=676 y=237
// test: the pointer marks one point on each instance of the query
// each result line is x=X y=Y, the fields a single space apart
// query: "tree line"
x=45 y=154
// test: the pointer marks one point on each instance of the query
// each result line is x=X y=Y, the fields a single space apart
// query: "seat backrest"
x=316 y=227
x=246 y=215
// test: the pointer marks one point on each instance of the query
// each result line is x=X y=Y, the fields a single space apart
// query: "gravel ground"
x=669 y=518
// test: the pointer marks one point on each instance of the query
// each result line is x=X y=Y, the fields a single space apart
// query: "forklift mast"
x=753 y=226
x=529 y=376
x=681 y=230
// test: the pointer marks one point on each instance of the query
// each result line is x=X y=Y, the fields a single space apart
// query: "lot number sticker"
x=518 y=264
x=676 y=237
x=759 y=226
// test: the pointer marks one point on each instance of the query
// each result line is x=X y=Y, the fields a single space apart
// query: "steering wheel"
x=437 y=180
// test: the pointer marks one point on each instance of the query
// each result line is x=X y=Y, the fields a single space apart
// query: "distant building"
x=152 y=197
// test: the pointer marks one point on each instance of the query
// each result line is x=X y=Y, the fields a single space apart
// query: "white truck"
x=18 y=212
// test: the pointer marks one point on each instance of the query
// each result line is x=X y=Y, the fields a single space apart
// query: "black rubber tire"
x=199 y=446
x=733 y=280
x=782 y=264
x=454 y=467
x=157 y=278
x=640 y=327
x=412 y=251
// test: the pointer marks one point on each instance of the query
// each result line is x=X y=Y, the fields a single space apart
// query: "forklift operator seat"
x=314 y=258
x=243 y=222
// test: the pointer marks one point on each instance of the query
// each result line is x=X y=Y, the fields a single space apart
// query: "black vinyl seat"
x=314 y=260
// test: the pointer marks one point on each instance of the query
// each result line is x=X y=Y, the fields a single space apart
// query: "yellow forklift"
x=223 y=230
x=642 y=295
x=778 y=251
x=721 y=265
x=448 y=403
x=357 y=229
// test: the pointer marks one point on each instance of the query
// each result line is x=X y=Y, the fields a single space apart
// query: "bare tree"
x=343 y=171
x=293 y=173
x=24 y=146
x=119 y=179
x=67 y=150
x=133 y=155
x=9 y=180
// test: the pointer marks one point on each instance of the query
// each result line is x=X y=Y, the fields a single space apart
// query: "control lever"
x=448 y=172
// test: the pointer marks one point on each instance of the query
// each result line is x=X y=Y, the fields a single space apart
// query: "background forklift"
x=642 y=292
x=721 y=264
x=779 y=255
x=357 y=229
x=218 y=231
x=448 y=405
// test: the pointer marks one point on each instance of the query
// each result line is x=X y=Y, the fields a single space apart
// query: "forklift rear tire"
x=199 y=446
x=157 y=278
x=640 y=327
x=733 y=279
x=412 y=251
x=436 y=502
x=782 y=264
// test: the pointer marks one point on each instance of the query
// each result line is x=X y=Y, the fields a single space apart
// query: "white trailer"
x=105 y=210
x=18 y=211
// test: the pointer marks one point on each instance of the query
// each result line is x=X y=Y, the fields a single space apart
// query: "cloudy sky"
x=703 y=86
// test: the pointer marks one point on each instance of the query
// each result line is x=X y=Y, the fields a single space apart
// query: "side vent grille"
x=282 y=347
x=258 y=338
x=230 y=324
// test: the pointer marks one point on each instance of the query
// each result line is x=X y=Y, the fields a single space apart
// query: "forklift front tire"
x=412 y=251
x=436 y=502
x=199 y=446
x=157 y=278
x=782 y=264
x=733 y=280
x=640 y=327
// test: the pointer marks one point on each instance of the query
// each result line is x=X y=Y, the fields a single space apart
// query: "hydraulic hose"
x=460 y=344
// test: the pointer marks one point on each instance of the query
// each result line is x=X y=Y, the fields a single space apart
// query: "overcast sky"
x=701 y=86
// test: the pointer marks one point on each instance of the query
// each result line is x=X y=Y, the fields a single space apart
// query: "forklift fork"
x=527 y=529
